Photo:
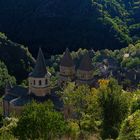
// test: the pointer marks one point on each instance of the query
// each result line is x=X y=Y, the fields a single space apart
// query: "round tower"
x=39 y=79
x=85 y=71
x=67 y=68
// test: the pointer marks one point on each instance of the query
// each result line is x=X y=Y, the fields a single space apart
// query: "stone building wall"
x=67 y=71
x=6 y=108
x=39 y=86
x=84 y=75
x=16 y=110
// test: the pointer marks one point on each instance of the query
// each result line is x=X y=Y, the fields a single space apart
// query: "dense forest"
x=59 y=24
x=16 y=57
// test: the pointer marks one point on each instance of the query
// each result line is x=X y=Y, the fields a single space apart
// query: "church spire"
x=40 y=67
x=86 y=63
x=66 y=60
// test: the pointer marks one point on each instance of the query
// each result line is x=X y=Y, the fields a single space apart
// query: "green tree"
x=5 y=78
x=115 y=106
x=7 y=136
x=131 y=127
x=81 y=101
x=40 y=121
x=136 y=101
x=6 y=131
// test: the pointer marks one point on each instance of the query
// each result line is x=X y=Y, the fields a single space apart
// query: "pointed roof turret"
x=86 y=63
x=66 y=60
x=40 y=67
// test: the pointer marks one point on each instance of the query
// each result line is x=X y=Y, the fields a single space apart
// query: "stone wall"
x=39 y=86
x=84 y=75
x=67 y=71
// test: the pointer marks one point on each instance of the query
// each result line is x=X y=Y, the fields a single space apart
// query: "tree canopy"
x=40 y=121
x=131 y=127
x=5 y=78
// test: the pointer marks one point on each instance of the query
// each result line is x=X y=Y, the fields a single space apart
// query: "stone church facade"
x=39 y=88
x=81 y=75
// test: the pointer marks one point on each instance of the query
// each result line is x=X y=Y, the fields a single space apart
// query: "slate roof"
x=8 y=97
x=40 y=69
x=21 y=101
x=86 y=63
x=67 y=60
x=18 y=91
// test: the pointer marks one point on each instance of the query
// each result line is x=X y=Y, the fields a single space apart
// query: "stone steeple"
x=85 y=71
x=40 y=68
x=86 y=63
x=66 y=60
x=39 y=84
x=67 y=68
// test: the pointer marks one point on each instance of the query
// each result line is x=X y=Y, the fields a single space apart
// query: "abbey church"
x=39 y=88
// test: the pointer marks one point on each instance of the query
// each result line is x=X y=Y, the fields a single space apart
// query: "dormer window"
x=40 y=82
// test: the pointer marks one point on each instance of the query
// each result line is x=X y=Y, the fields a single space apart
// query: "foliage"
x=3 y=36
x=82 y=109
x=73 y=130
x=16 y=57
x=40 y=121
x=6 y=131
x=89 y=113
x=82 y=23
x=8 y=125
x=7 y=136
x=92 y=110
x=114 y=102
x=5 y=77
x=136 y=102
x=131 y=127
x=133 y=61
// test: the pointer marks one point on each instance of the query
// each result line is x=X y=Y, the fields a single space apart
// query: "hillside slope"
x=59 y=24
x=16 y=57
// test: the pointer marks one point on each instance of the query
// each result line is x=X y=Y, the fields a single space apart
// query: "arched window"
x=40 y=82
x=46 y=81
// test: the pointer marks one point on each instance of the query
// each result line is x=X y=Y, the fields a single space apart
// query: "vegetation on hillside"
x=123 y=64
x=5 y=78
x=88 y=24
x=16 y=57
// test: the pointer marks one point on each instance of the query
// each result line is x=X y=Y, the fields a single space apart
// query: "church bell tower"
x=39 y=79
